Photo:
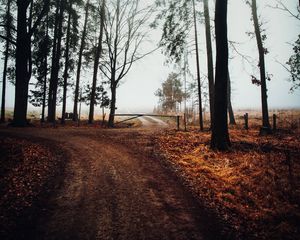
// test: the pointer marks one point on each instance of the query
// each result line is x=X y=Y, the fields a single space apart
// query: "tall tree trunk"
x=230 y=109
x=65 y=76
x=82 y=46
x=55 y=66
x=96 y=64
x=220 y=136
x=210 y=65
x=45 y=73
x=4 y=82
x=265 y=113
x=7 y=46
x=198 y=69
x=22 y=65
x=113 y=80
x=23 y=58
x=53 y=60
x=113 y=89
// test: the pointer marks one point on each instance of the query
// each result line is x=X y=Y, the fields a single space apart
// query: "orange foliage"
x=254 y=186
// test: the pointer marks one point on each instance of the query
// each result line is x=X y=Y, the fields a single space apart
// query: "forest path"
x=150 y=122
x=115 y=188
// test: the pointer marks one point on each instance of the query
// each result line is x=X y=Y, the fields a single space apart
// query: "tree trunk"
x=96 y=64
x=22 y=65
x=230 y=109
x=7 y=45
x=220 y=136
x=4 y=82
x=265 y=113
x=82 y=46
x=63 y=115
x=210 y=65
x=53 y=60
x=113 y=89
x=55 y=65
x=198 y=70
x=45 y=73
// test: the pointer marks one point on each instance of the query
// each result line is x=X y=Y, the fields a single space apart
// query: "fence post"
x=246 y=117
x=274 y=122
x=177 y=121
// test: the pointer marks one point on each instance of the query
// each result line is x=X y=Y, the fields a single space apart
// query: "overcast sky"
x=136 y=93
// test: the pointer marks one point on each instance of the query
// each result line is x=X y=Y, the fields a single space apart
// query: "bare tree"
x=198 y=67
x=210 y=65
x=266 y=128
x=124 y=35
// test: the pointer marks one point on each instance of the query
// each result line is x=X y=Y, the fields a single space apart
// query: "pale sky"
x=136 y=94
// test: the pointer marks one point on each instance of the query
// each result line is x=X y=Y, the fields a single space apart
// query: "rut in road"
x=112 y=192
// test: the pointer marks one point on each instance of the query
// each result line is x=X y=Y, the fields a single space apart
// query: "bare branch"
x=10 y=27
x=280 y=6
x=9 y=40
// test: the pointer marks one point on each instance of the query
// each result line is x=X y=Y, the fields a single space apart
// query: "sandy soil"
x=114 y=187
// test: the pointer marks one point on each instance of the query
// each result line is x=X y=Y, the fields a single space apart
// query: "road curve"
x=112 y=190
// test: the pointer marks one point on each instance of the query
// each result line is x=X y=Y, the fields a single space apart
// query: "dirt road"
x=115 y=188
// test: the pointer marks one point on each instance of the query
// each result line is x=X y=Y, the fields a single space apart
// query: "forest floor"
x=147 y=183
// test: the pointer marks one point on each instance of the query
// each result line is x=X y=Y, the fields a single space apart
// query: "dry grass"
x=254 y=187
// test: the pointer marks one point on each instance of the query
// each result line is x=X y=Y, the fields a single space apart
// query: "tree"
x=7 y=20
x=25 y=29
x=124 y=35
x=101 y=97
x=294 y=64
x=171 y=93
x=294 y=60
x=56 y=55
x=41 y=49
x=70 y=47
x=176 y=31
x=210 y=65
x=80 y=55
x=266 y=128
x=220 y=136
x=96 y=61
x=198 y=68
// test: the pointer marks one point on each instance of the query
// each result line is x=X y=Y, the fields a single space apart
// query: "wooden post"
x=246 y=117
x=177 y=120
x=274 y=122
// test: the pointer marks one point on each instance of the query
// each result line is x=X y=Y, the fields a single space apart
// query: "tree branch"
x=282 y=7
x=10 y=27
x=9 y=40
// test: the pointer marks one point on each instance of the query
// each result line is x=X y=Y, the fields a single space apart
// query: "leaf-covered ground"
x=27 y=174
x=254 y=187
